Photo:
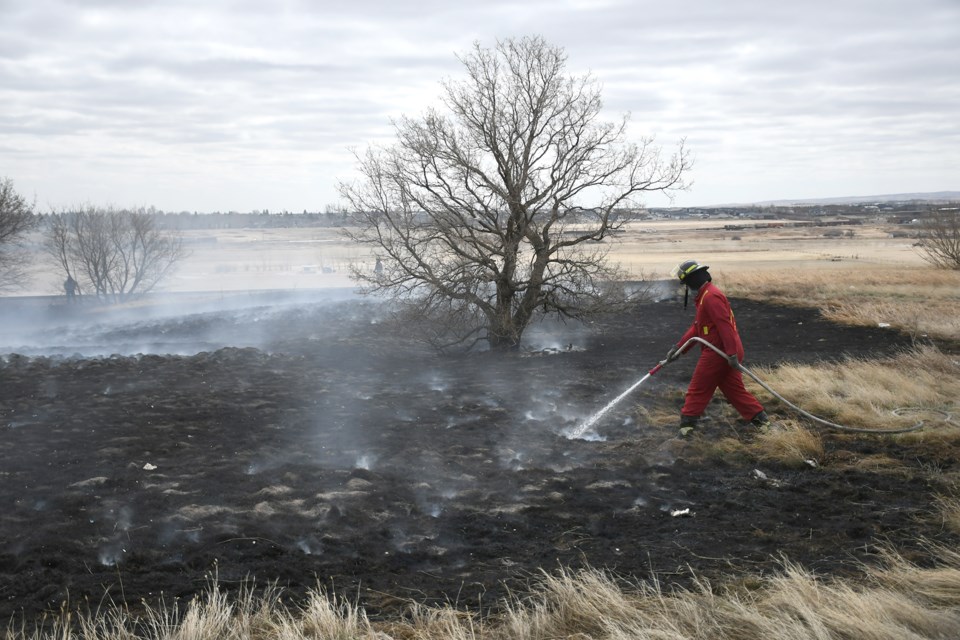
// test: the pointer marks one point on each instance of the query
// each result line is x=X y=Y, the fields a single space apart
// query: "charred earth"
x=301 y=442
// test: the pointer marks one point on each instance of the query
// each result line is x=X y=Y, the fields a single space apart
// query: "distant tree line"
x=890 y=211
x=899 y=212
x=185 y=221
x=336 y=216
x=286 y=220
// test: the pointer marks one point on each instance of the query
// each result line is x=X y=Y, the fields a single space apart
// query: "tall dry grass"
x=249 y=615
x=898 y=600
x=948 y=506
x=890 y=393
x=791 y=445
x=919 y=300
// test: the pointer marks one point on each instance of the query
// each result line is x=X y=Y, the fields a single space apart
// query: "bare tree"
x=112 y=254
x=494 y=211
x=939 y=242
x=16 y=218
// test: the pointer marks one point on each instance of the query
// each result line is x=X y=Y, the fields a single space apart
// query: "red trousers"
x=713 y=372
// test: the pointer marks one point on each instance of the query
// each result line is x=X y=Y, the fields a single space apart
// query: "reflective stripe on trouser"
x=713 y=372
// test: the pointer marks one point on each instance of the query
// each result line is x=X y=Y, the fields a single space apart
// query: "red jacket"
x=714 y=322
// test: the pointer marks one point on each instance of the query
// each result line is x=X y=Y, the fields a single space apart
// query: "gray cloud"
x=243 y=105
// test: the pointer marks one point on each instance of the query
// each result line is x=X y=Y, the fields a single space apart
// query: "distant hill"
x=933 y=196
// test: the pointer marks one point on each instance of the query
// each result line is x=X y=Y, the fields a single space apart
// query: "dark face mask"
x=694 y=281
x=697 y=279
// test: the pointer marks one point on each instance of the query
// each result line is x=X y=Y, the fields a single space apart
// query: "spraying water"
x=592 y=420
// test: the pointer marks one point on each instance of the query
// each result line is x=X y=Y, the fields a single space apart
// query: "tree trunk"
x=513 y=316
x=502 y=332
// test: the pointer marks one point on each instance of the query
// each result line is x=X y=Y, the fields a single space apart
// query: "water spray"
x=592 y=420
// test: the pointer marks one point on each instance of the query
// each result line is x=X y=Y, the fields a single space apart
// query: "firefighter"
x=714 y=322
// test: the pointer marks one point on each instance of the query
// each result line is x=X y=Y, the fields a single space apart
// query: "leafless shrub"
x=112 y=254
x=939 y=242
x=16 y=218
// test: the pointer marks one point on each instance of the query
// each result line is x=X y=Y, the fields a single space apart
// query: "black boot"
x=688 y=425
x=761 y=422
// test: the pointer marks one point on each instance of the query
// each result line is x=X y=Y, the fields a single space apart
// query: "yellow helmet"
x=687 y=267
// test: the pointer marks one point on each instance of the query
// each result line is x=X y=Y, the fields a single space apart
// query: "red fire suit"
x=714 y=323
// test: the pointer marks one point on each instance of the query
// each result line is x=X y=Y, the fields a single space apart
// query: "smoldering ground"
x=306 y=444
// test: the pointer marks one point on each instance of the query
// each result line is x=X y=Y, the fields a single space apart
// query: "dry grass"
x=898 y=600
x=791 y=445
x=919 y=384
x=921 y=301
x=212 y=616
x=948 y=506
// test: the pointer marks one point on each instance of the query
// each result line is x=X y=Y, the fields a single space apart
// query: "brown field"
x=653 y=248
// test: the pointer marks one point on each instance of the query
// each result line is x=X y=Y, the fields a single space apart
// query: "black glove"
x=673 y=354
x=733 y=360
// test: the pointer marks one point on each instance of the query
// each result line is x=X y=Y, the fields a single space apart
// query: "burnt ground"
x=321 y=450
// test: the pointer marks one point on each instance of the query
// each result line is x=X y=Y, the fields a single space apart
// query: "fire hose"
x=947 y=417
x=806 y=414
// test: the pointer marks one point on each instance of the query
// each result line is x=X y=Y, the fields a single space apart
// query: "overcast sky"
x=248 y=105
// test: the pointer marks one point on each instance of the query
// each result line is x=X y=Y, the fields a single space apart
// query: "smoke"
x=111 y=554
x=662 y=290
x=550 y=335
x=116 y=522
x=365 y=461
x=166 y=324
x=310 y=546
x=372 y=418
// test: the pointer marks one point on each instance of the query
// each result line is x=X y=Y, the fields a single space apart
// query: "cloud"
x=244 y=105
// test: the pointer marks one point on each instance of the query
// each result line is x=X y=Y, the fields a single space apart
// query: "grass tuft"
x=790 y=445
x=949 y=509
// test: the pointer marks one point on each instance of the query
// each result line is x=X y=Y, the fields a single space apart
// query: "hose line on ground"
x=810 y=416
